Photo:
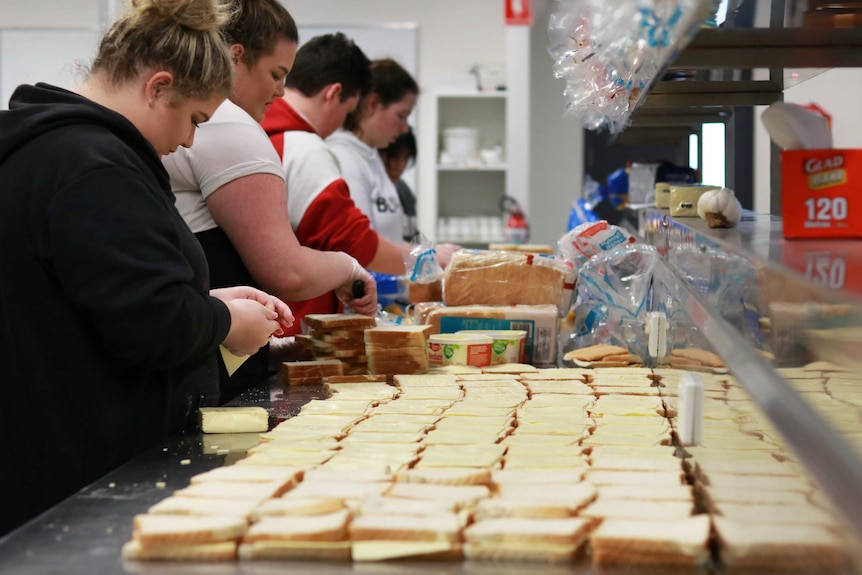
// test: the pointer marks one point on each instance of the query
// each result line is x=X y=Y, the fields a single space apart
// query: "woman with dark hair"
x=108 y=329
x=378 y=120
x=397 y=157
x=230 y=186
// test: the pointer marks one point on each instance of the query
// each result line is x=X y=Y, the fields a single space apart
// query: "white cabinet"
x=466 y=195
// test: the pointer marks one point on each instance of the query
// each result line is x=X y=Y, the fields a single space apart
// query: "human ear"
x=332 y=93
x=158 y=86
x=237 y=50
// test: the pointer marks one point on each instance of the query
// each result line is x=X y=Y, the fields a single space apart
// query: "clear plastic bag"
x=609 y=53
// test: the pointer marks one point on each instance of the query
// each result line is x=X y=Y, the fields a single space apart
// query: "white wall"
x=49 y=13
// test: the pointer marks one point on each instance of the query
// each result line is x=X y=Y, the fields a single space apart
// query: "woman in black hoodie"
x=108 y=329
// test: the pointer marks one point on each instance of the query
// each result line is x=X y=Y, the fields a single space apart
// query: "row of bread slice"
x=598 y=535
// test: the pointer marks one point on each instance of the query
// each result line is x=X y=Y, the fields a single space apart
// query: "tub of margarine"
x=507 y=345
x=459 y=349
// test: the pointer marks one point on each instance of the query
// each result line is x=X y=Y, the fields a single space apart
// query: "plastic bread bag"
x=614 y=297
x=591 y=238
x=491 y=277
x=421 y=263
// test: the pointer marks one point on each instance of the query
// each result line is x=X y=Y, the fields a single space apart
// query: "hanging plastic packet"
x=610 y=53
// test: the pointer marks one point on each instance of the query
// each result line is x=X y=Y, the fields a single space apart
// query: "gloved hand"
x=366 y=304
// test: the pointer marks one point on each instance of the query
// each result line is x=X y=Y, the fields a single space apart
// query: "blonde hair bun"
x=200 y=15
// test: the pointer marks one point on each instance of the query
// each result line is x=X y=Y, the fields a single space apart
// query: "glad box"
x=820 y=195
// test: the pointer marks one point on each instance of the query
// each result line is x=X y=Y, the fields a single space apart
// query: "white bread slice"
x=756 y=482
x=405 y=381
x=325 y=527
x=337 y=406
x=532 y=476
x=444 y=527
x=234 y=490
x=286 y=458
x=521 y=531
x=179 y=530
x=460 y=495
x=563 y=373
x=641 y=478
x=623 y=463
x=768 y=466
x=382 y=437
x=250 y=474
x=777 y=514
x=280 y=445
x=204 y=506
x=655 y=542
x=446 y=476
x=798 y=547
x=297 y=507
x=330 y=551
x=546 y=461
x=605 y=508
x=344 y=491
x=755 y=497
x=396 y=506
x=222 y=551
x=324 y=474
x=507 y=508
x=511 y=368
x=644 y=493
x=463 y=436
x=574 y=494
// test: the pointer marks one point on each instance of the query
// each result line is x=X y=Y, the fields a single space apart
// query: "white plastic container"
x=459 y=349
x=507 y=345
x=461 y=145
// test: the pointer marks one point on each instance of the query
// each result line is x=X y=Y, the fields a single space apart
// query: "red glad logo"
x=815 y=165
x=435 y=346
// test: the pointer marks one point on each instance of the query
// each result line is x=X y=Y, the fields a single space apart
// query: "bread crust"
x=223 y=551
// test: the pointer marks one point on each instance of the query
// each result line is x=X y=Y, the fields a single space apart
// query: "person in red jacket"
x=329 y=75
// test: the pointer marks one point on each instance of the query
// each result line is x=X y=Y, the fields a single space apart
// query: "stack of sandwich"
x=338 y=336
x=397 y=349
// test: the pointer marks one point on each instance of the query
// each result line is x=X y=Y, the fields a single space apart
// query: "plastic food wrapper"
x=729 y=284
x=795 y=127
x=614 y=298
x=508 y=278
x=541 y=323
x=610 y=53
x=421 y=263
x=592 y=238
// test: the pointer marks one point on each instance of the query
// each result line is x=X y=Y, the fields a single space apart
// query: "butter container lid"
x=460 y=338
x=508 y=334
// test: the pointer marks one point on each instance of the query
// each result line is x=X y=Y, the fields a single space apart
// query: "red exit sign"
x=519 y=13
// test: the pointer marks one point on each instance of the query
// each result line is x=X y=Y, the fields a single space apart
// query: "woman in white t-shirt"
x=230 y=189
x=378 y=120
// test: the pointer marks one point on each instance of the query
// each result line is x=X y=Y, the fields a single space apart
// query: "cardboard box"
x=820 y=193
